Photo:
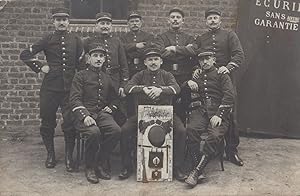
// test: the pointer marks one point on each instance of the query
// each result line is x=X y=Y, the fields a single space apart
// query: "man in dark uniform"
x=230 y=57
x=63 y=51
x=212 y=98
x=93 y=101
x=177 y=53
x=134 y=43
x=153 y=86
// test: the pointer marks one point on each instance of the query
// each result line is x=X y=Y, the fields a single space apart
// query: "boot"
x=91 y=176
x=49 y=143
x=193 y=177
x=69 y=147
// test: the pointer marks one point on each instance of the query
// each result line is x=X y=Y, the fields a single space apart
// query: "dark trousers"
x=232 y=137
x=199 y=123
x=102 y=139
x=129 y=131
x=50 y=101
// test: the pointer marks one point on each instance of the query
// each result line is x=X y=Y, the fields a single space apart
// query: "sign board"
x=155 y=143
x=269 y=91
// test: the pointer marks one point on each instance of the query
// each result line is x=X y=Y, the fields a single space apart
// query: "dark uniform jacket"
x=134 y=54
x=215 y=93
x=160 y=78
x=116 y=65
x=63 y=51
x=91 y=91
x=225 y=44
x=182 y=56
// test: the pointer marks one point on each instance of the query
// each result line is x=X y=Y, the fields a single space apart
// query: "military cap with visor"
x=60 y=12
x=212 y=11
x=177 y=9
x=103 y=16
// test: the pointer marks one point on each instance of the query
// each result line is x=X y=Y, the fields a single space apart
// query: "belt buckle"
x=175 y=67
x=136 y=61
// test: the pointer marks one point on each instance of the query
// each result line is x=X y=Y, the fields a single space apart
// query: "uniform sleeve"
x=124 y=72
x=128 y=46
x=76 y=97
x=228 y=96
x=80 y=55
x=188 y=49
x=159 y=41
x=134 y=84
x=114 y=99
x=171 y=88
x=236 y=52
x=28 y=55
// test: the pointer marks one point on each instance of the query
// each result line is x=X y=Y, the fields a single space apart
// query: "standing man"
x=177 y=53
x=93 y=101
x=63 y=51
x=212 y=100
x=177 y=47
x=229 y=57
x=154 y=86
x=134 y=43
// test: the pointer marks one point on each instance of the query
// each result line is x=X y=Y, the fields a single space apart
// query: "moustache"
x=175 y=23
x=104 y=29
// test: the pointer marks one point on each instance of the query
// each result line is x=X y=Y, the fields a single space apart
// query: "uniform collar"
x=210 y=69
x=95 y=69
x=153 y=73
x=61 y=32
x=214 y=30
x=175 y=31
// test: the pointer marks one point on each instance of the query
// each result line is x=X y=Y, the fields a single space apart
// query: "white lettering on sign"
x=279 y=4
x=279 y=14
x=276 y=24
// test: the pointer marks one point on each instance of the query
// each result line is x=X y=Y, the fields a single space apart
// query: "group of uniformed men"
x=95 y=83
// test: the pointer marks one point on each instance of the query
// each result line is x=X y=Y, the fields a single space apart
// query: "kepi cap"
x=60 y=12
x=103 y=16
x=177 y=9
x=134 y=14
x=212 y=11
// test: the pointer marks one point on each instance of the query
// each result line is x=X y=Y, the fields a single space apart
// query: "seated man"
x=93 y=101
x=212 y=98
x=154 y=86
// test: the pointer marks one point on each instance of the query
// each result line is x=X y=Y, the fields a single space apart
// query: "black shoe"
x=91 y=176
x=50 y=161
x=102 y=173
x=69 y=165
x=125 y=173
x=179 y=175
x=192 y=179
x=235 y=159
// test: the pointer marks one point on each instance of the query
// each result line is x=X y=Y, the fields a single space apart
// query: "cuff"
x=81 y=112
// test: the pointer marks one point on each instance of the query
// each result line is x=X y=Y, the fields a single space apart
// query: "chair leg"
x=82 y=148
x=77 y=151
x=221 y=156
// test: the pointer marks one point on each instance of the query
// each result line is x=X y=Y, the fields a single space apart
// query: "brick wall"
x=25 y=21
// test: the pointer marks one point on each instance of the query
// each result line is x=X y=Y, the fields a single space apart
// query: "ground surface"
x=272 y=167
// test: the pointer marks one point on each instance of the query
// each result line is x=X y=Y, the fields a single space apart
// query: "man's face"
x=213 y=21
x=135 y=24
x=175 y=20
x=104 y=26
x=153 y=63
x=207 y=62
x=97 y=59
x=61 y=23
